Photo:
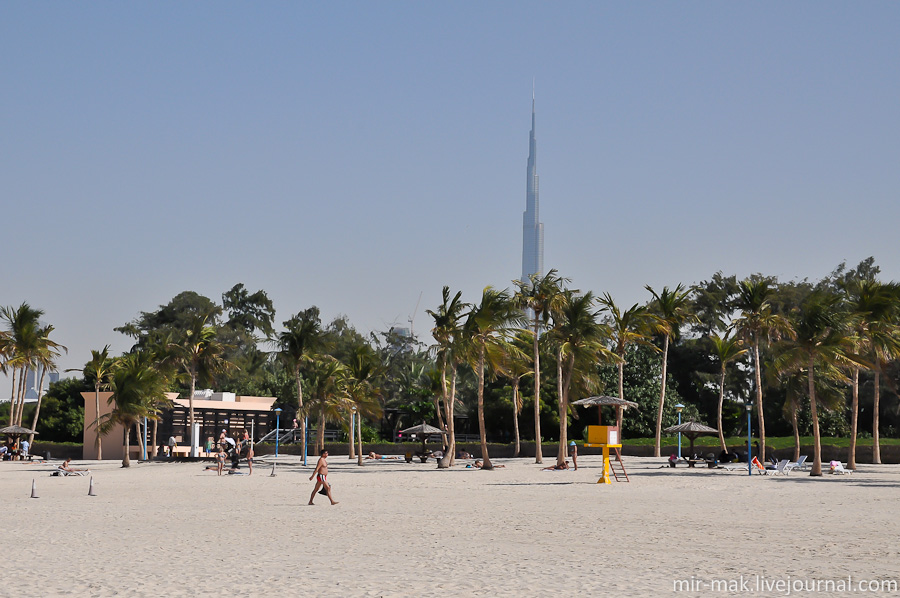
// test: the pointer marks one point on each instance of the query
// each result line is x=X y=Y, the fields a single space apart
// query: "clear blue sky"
x=353 y=155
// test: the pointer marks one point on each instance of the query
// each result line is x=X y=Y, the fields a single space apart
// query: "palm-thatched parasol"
x=691 y=429
x=422 y=429
x=16 y=431
x=600 y=401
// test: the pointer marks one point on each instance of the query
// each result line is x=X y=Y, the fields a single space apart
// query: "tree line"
x=807 y=356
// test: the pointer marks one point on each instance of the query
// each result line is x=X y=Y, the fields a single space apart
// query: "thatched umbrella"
x=691 y=429
x=16 y=431
x=616 y=402
x=424 y=430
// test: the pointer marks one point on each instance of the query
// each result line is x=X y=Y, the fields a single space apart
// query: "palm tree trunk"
x=516 y=414
x=301 y=418
x=796 y=429
x=451 y=412
x=814 y=413
x=191 y=418
x=444 y=462
x=359 y=457
x=12 y=398
x=97 y=420
x=662 y=396
x=37 y=409
x=876 y=441
x=352 y=452
x=126 y=461
x=485 y=458
x=155 y=426
x=759 y=401
x=621 y=393
x=854 y=416
x=719 y=412
x=20 y=402
x=538 y=456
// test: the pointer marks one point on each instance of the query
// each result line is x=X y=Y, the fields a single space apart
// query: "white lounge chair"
x=780 y=468
x=66 y=472
x=799 y=464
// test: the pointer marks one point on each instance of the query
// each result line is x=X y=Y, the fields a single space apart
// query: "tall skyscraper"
x=532 y=227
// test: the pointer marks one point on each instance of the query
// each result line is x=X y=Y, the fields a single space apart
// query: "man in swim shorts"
x=321 y=475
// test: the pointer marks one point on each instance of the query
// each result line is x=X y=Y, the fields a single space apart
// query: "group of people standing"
x=13 y=450
x=229 y=448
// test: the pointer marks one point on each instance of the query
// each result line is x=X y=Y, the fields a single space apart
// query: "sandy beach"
x=172 y=529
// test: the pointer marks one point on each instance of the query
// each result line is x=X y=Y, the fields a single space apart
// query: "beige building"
x=213 y=412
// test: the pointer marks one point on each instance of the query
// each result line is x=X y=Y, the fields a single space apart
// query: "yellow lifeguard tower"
x=607 y=437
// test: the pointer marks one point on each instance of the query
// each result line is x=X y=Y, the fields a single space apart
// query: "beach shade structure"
x=424 y=430
x=601 y=401
x=16 y=431
x=692 y=430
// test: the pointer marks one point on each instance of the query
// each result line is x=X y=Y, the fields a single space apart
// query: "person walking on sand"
x=321 y=475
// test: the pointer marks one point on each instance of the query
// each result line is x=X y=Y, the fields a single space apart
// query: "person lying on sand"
x=478 y=463
x=376 y=456
x=564 y=465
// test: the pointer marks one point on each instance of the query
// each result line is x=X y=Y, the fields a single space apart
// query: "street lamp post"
x=678 y=408
x=277 y=428
x=749 y=430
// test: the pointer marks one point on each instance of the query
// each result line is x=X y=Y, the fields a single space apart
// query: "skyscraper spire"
x=532 y=227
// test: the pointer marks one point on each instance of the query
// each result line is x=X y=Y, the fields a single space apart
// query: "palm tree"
x=726 y=349
x=44 y=358
x=671 y=312
x=328 y=396
x=486 y=325
x=99 y=368
x=300 y=341
x=447 y=333
x=578 y=339
x=757 y=320
x=626 y=328
x=540 y=294
x=361 y=370
x=198 y=351
x=516 y=365
x=22 y=344
x=138 y=389
x=875 y=308
x=821 y=338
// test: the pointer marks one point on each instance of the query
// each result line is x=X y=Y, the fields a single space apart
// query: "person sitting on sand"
x=560 y=466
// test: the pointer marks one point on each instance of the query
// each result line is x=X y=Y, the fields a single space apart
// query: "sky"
x=360 y=155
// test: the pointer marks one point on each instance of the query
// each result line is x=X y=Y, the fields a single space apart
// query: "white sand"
x=411 y=530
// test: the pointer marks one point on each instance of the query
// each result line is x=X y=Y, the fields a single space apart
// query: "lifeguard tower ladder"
x=607 y=437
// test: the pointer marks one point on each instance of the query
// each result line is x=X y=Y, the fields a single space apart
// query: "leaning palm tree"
x=328 y=393
x=876 y=310
x=447 y=333
x=578 y=339
x=670 y=308
x=44 y=359
x=98 y=369
x=540 y=295
x=821 y=339
x=757 y=322
x=626 y=328
x=726 y=349
x=197 y=352
x=297 y=345
x=487 y=323
x=137 y=390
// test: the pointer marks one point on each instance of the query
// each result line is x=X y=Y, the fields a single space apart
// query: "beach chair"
x=781 y=468
x=64 y=472
x=799 y=464
x=758 y=467
x=838 y=467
